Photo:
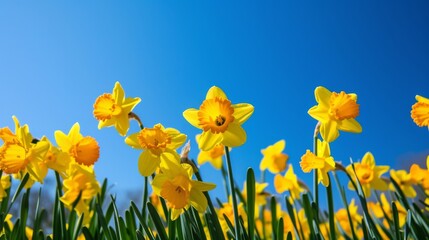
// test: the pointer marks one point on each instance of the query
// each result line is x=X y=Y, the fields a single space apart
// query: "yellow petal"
x=368 y=159
x=279 y=184
x=322 y=95
x=191 y=115
x=118 y=94
x=106 y=123
x=234 y=136
x=319 y=113
x=74 y=133
x=208 y=140
x=62 y=141
x=158 y=182
x=329 y=131
x=202 y=186
x=148 y=163
x=122 y=124
x=133 y=141
x=242 y=112
x=129 y=104
x=175 y=213
x=350 y=125
x=215 y=92
x=422 y=99
x=198 y=200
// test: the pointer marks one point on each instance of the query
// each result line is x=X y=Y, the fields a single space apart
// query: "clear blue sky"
x=56 y=57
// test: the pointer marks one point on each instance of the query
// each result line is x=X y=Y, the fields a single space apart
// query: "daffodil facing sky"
x=273 y=157
x=220 y=120
x=335 y=111
x=112 y=109
x=19 y=154
x=175 y=184
x=83 y=150
x=420 y=111
x=323 y=162
x=368 y=174
x=159 y=144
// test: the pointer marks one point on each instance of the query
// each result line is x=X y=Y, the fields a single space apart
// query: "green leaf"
x=157 y=221
x=250 y=187
x=273 y=206
x=396 y=220
x=280 y=229
x=331 y=213
x=103 y=222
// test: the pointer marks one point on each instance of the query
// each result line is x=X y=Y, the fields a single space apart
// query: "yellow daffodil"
x=80 y=180
x=4 y=185
x=19 y=153
x=323 y=162
x=420 y=175
x=213 y=156
x=83 y=150
x=379 y=209
x=56 y=159
x=174 y=183
x=288 y=182
x=227 y=210
x=220 y=120
x=335 y=111
x=368 y=174
x=420 y=111
x=112 y=109
x=405 y=181
x=273 y=158
x=343 y=219
x=159 y=144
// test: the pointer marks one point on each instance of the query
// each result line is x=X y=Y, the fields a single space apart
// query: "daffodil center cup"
x=154 y=139
x=86 y=151
x=343 y=106
x=177 y=191
x=105 y=107
x=215 y=115
x=364 y=173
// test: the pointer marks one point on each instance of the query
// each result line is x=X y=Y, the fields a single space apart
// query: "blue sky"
x=56 y=57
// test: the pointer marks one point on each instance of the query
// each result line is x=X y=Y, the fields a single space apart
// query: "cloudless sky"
x=57 y=57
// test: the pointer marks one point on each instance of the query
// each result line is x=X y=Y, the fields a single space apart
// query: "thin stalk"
x=234 y=199
x=315 y=175
x=225 y=181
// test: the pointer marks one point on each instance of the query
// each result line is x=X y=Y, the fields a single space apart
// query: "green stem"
x=145 y=197
x=315 y=177
x=234 y=199
x=331 y=210
x=225 y=184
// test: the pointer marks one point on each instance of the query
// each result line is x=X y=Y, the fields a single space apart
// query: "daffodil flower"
x=405 y=181
x=159 y=144
x=382 y=209
x=323 y=162
x=274 y=160
x=4 y=185
x=220 y=120
x=19 y=153
x=420 y=111
x=174 y=183
x=368 y=174
x=288 y=182
x=335 y=111
x=56 y=159
x=112 y=109
x=341 y=216
x=83 y=150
